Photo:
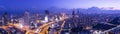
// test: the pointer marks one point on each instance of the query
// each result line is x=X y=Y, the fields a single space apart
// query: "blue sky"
x=42 y=4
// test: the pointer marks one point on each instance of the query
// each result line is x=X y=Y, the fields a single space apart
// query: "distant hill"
x=59 y=10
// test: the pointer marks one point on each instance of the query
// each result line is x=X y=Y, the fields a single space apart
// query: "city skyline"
x=59 y=17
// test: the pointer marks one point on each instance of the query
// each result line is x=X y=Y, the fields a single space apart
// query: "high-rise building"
x=73 y=14
x=46 y=12
x=5 y=19
x=78 y=12
x=26 y=18
x=13 y=19
x=46 y=15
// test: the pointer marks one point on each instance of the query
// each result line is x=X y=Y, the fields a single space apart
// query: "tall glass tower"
x=26 y=18
x=5 y=19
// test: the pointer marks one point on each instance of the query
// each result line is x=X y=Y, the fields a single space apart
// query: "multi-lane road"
x=43 y=29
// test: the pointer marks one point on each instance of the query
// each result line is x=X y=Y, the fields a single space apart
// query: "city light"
x=97 y=32
x=37 y=30
x=21 y=26
x=46 y=18
x=59 y=17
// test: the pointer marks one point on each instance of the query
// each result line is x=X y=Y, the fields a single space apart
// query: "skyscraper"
x=73 y=14
x=46 y=15
x=46 y=12
x=5 y=19
x=26 y=17
x=78 y=12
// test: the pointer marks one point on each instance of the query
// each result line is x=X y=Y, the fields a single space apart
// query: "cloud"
x=2 y=7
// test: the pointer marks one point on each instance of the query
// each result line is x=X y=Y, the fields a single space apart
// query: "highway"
x=43 y=29
x=61 y=27
x=111 y=29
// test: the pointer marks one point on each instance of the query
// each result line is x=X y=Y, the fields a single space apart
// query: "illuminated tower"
x=12 y=19
x=46 y=15
x=26 y=18
x=5 y=19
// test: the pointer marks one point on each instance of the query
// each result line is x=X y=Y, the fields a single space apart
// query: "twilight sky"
x=42 y=4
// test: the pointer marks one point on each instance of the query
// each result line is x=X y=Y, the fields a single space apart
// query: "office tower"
x=73 y=14
x=46 y=15
x=78 y=12
x=46 y=12
x=11 y=19
x=5 y=19
x=26 y=18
